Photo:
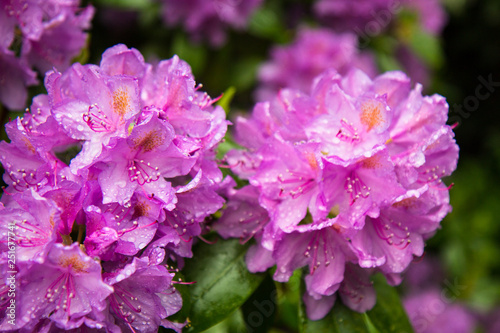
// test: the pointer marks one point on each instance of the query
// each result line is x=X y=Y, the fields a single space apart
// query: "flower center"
x=347 y=132
x=97 y=120
x=356 y=188
x=142 y=172
x=394 y=233
x=295 y=184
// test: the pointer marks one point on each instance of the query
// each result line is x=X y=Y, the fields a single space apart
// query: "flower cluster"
x=345 y=180
x=359 y=15
x=433 y=302
x=40 y=34
x=313 y=51
x=430 y=312
x=109 y=177
x=209 y=18
x=400 y=18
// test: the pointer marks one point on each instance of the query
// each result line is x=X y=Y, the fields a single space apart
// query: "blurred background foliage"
x=468 y=244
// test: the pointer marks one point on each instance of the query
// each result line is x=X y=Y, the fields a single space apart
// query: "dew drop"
x=121 y=183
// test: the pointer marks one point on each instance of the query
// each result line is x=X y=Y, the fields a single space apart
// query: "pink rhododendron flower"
x=312 y=52
x=95 y=236
x=209 y=19
x=50 y=34
x=374 y=16
x=348 y=180
x=430 y=312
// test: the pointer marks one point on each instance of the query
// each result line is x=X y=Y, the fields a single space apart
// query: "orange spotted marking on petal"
x=121 y=102
x=150 y=141
x=28 y=145
x=74 y=262
x=371 y=162
x=372 y=114
x=311 y=159
x=406 y=203
x=140 y=209
x=337 y=228
x=434 y=145
x=51 y=220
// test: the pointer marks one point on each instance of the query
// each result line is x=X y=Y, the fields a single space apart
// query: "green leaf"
x=233 y=323
x=194 y=55
x=260 y=309
x=226 y=99
x=226 y=145
x=387 y=62
x=223 y=282
x=427 y=47
x=245 y=72
x=289 y=300
x=388 y=315
x=266 y=23
x=340 y=320
x=128 y=4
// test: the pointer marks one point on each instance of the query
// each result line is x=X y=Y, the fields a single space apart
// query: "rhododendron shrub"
x=128 y=206
x=97 y=238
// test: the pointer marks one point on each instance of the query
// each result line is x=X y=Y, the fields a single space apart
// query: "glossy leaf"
x=388 y=314
x=340 y=320
x=129 y=4
x=260 y=309
x=223 y=282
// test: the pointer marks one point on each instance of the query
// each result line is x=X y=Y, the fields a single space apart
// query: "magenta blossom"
x=348 y=180
x=66 y=287
x=112 y=172
x=373 y=16
x=51 y=34
x=209 y=18
x=432 y=312
x=143 y=295
x=313 y=51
